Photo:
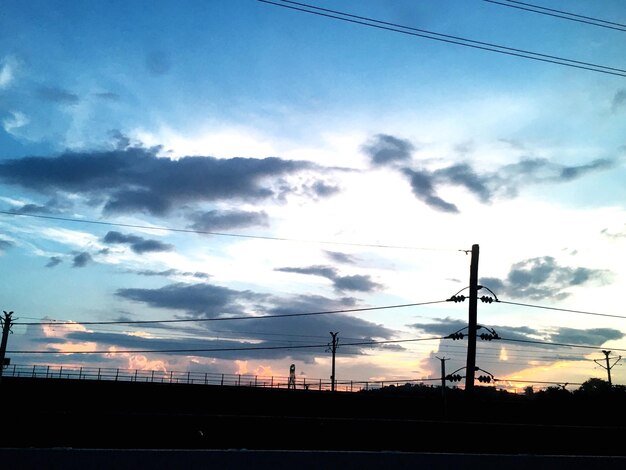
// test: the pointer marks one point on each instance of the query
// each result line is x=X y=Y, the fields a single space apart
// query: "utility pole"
x=608 y=366
x=6 y=328
x=443 y=381
x=333 y=349
x=472 y=324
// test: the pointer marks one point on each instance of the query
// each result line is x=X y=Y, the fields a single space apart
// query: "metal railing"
x=197 y=378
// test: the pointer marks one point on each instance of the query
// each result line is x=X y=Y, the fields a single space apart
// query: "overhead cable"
x=384 y=25
x=563 y=309
x=247 y=348
x=220 y=234
x=248 y=317
x=560 y=14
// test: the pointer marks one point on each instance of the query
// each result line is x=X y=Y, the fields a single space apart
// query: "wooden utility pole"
x=472 y=324
x=333 y=349
x=6 y=328
x=608 y=366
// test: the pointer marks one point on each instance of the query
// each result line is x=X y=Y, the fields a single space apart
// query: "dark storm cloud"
x=619 y=100
x=203 y=300
x=53 y=261
x=139 y=245
x=361 y=283
x=57 y=95
x=341 y=257
x=81 y=260
x=505 y=181
x=5 y=244
x=384 y=149
x=136 y=179
x=542 y=278
x=224 y=220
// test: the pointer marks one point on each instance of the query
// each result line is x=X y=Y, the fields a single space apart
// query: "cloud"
x=317 y=326
x=15 y=121
x=5 y=244
x=619 y=100
x=590 y=336
x=542 y=278
x=447 y=326
x=8 y=66
x=158 y=63
x=323 y=189
x=32 y=209
x=361 y=283
x=53 y=261
x=223 y=220
x=505 y=181
x=606 y=233
x=205 y=301
x=57 y=95
x=136 y=179
x=463 y=174
x=171 y=272
x=383 y=149
x=108 y=96
x=423 y=186
x=81 y=260
x=198 y=300
x=341 y=257
x=357 y=282
x=138 y=244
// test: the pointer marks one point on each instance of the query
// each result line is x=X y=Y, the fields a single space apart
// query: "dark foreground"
x=41 y=417
x=80 y=459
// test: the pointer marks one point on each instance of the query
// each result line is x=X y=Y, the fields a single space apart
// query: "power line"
x=250 y=348
x=537 y=382
x=563 y=309
x=221 y=234
x=187 y=320
x=365 y=21
x=547 y=343
x=560 y=14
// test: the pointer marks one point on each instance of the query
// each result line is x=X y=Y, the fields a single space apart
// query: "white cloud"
x=17 y=120
x=7 y=71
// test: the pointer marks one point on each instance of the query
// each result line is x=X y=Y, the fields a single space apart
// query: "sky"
x=203 y=160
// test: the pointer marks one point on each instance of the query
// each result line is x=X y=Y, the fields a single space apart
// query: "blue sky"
x=338 y=166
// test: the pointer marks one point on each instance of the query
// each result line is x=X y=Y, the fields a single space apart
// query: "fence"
x=198 y=378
